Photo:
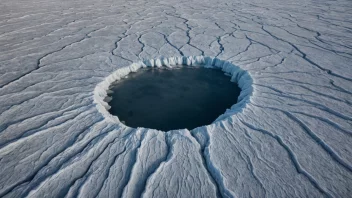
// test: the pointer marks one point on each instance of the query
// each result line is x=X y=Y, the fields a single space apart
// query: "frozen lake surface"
x=168 y=99
x=289 y=136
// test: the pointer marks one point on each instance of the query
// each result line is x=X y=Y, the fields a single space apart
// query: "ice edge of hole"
x=238 y=75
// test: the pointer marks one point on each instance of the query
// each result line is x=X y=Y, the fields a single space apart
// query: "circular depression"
x=103 y=95
x=168 y=99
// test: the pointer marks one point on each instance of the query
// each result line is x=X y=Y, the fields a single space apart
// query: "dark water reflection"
x=167 y=99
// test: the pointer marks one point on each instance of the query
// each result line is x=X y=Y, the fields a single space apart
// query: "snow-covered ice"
x=289 y=136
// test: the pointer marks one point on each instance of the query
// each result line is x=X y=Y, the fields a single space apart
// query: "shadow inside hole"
x=168 y=99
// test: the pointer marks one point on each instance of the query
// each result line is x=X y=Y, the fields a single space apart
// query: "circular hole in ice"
x=173 y=93
x=168 y=99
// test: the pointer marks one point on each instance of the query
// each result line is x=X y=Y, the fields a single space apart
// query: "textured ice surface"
x=292 y=138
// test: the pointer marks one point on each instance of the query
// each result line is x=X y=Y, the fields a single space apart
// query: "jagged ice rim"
x=238 y=75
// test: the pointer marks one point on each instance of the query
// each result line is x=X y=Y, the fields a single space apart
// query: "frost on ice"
x=290 y=136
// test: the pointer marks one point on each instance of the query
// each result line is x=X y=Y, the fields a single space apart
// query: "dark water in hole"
x=168 y=99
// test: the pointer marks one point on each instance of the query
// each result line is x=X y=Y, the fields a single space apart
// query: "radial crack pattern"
x=289 y=135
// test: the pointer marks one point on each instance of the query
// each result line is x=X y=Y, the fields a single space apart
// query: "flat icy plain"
x=292 y=138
